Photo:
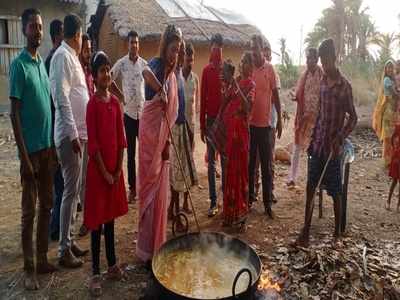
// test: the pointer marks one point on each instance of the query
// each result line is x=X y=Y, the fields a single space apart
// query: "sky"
x=286 y=18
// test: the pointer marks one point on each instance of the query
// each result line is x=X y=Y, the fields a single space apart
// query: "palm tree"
x=337 y=26
x=353 y=15
x=284 y=54
x=367 y=35
x=320 y=31
x=349 y=24
x=385 y=41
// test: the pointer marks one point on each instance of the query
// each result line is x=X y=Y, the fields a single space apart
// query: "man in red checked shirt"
x=210 y=101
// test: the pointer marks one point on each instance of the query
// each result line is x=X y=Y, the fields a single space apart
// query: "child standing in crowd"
x=105 y=189
x=394 y=169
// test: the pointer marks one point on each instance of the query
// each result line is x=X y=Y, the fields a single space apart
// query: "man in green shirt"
x=31 y=121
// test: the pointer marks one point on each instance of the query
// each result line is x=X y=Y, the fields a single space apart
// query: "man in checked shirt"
x=336 y=120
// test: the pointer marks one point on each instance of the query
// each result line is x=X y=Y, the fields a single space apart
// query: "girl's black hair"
x=98 y=59
x=229 y=67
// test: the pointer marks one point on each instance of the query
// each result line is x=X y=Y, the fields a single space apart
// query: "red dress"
x=104 y=202
x=236 y=185
x=394 y=171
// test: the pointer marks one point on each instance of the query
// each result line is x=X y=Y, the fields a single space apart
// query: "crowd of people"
x=72 y=124
x=386 y=121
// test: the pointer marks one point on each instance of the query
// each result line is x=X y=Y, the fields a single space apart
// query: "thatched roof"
x=72 y=1
x=150 y=17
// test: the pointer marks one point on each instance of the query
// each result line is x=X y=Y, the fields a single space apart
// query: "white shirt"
x=274 y=114
x=70 y=95
x=132 y=83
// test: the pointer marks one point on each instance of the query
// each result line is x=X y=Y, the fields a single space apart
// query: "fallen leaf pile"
x=358 y=269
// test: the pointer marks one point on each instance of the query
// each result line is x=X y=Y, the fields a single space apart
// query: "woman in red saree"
x=238 y=96
x=159 y=113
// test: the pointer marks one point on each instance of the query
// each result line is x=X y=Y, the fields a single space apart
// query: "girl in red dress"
x=394 y=168
x=238 y=96
x=105 y=188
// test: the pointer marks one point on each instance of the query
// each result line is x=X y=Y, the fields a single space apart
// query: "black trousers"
x=110 y=247
x=261 y=143
x=132 y=133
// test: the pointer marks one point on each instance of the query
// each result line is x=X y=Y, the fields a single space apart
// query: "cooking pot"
x=210 y=240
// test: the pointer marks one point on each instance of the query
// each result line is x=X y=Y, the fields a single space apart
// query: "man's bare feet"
x=45 y=268
x=387 y=206
x=30 y=281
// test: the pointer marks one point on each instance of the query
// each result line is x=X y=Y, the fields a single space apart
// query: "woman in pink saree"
x=160 y=112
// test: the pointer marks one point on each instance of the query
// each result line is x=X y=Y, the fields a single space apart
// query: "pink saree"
x=153 y=172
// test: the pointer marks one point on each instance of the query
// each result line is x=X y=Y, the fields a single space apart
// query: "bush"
x=364 y=78
x=289 y=74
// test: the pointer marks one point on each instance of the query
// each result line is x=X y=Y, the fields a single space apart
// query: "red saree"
x=237 y=152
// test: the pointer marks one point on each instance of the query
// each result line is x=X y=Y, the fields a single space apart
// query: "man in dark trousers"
x=261 y=131
x=210 y=101
x=129 y=68
x=31 y=121
x=336 y=120
x=57 y=36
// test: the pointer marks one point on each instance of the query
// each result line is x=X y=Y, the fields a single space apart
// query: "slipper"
x=95 y=286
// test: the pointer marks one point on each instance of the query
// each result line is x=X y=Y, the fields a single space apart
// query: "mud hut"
x=115 y=18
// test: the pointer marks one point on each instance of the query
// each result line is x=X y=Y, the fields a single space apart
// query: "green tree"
x=288 y=72
x=349 y=24
x=284 y=54
x=386 y=42
x=367 y=35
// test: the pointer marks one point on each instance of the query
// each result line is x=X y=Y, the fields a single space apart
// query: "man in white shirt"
x=130 y=68
x=70 y=96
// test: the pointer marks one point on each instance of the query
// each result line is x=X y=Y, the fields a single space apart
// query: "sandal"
x=300 y=243
x=115 y=273
x=95 y=286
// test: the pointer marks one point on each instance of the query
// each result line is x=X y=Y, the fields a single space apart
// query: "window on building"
x=4 y=32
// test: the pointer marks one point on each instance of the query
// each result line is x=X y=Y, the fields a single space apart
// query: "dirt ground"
x=368 y=188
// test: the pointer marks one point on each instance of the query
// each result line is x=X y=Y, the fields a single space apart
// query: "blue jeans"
x=211 y=168
x=58 y=192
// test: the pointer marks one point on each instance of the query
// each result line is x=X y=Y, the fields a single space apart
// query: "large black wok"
x=204 y=239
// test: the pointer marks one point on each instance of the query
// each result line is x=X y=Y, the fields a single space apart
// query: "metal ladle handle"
x=244 y=270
